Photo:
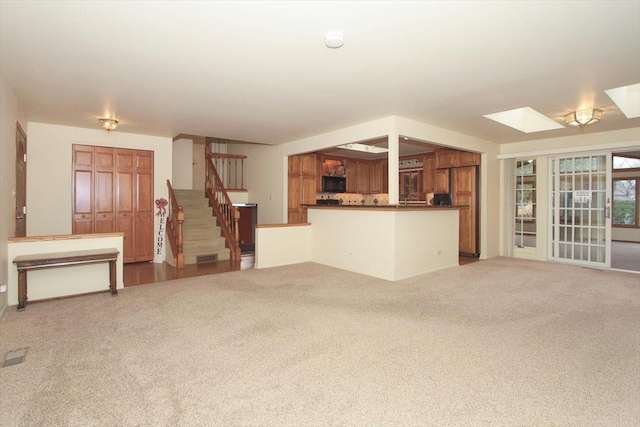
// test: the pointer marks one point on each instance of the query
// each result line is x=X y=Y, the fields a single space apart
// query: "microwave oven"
x=334 y=184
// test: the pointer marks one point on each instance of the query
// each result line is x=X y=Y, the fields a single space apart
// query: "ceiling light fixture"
x=582 y=118
x=364 y=148
x=108 y=124
x=334 y=40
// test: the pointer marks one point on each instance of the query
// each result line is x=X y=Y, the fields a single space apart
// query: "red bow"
x=161 y=204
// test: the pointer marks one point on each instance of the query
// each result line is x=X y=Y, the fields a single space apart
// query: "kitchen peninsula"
x=392 y=242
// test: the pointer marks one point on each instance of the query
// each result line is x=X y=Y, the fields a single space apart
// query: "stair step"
x=201 y=233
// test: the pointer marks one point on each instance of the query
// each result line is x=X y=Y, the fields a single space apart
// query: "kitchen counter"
x=408 y=206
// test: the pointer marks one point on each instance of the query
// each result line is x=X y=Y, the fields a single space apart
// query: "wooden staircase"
x=202 y=238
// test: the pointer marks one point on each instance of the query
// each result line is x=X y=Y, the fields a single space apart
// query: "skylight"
x=627 y=98
x=525 y=120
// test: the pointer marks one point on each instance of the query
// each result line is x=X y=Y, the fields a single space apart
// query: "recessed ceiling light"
x=363 y=148
x=334 y=40
x=525 y=120
x=627 y=98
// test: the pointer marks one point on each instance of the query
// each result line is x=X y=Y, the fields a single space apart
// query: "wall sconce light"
x=108 y=124
x=583 y=117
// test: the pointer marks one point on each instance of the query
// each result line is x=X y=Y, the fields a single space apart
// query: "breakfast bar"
x=392 y=242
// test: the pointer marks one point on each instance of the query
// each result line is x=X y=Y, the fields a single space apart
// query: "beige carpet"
x=500 y=342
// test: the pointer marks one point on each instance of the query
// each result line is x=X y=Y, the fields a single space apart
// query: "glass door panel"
x=580 y=203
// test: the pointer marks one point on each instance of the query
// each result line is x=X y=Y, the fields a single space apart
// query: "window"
x=621 y=162
x=626 y=206
x=525 y=214
x=625 y=202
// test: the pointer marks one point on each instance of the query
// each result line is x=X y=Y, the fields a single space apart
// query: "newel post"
x=180 y=218
x=236 y=232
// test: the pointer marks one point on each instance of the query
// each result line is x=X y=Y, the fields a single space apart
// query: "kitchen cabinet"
x=113 y=191
x=410 y=183
x=363 y=186
x=301 y=186
x=378 y=178
x=448 y=158
x=441 y=181
x=428 y=177
x=464 y=183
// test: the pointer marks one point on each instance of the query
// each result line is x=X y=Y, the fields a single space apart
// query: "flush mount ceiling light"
x=589 y=116
x=364 y=148
x=334 y=40
x=627 y=98
x=108 y=124
x=525 y=119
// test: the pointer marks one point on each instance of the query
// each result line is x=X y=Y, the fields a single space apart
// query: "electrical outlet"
x=3 y=289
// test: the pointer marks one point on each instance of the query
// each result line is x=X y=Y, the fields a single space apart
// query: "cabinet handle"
x=82 y=216
x=104 y=215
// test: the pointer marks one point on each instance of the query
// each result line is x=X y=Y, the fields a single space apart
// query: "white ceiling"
x=259 y=71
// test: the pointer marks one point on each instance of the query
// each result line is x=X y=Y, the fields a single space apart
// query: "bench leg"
x=112 y=278
x=22 y=289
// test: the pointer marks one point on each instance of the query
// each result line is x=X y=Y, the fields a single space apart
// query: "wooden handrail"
x=230 y=168
x=174 y=231
x=228 y=215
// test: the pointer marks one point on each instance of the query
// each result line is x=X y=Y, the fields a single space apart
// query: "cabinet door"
x=464 y=194
x=144 y=206
x=308 y=193
x=83 y=195
x=466 y=158
x=352 y=176
x=293 y=198
x=446 y=158
x=104 y=180
x=363 y=177
x=308 y=165
x=428 y=174
x=295 y=164
x=441 y=181
x=375 y=181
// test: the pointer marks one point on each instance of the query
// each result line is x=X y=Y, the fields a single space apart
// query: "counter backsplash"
x=356 y=199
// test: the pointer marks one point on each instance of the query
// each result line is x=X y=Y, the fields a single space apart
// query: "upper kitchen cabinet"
x=379 y=173
x=363 y=186
x=428 y=175
x=301 y=186
x=448 y=158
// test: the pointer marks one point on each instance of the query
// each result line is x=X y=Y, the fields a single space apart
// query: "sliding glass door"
x=580 y=212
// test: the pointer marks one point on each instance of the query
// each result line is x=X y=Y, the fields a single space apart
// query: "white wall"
x=50 y=178
x=182 y=164
x=283 y=245
x=265 y=176
x=10 y=113
x=62 y=281
x=389 y=244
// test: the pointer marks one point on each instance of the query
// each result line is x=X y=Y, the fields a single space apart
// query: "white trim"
x=571 y=150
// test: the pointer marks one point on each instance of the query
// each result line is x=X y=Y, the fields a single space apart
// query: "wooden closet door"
x=83 y=215
x=104 y=181
x=144 y=206
x=125 y=201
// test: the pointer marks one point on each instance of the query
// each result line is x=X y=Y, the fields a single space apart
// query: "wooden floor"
x=143 y=273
